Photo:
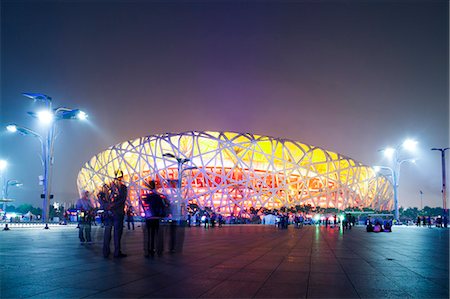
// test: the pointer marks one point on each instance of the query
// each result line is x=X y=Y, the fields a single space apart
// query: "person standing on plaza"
x=220 y=219
x=154 y=208
x=86 y=210
x=130 y=217
x=115 y=205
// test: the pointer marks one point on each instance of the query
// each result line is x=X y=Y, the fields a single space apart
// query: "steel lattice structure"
x=237 y=171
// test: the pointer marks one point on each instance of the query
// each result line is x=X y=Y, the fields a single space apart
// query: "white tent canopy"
x=29 y=215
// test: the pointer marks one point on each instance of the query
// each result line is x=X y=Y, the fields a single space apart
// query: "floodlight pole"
x=47 y=144
x=444 y=186
x=421 y=197
x=395 y=172
x=180 y=162
x=5 y=191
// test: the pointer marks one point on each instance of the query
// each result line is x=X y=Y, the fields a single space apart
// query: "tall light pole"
x=3 y=166
x=12 y=183
x=421 y=197
x=180 y=162
x=409 y=145
x=444 y=186
x=48 y=117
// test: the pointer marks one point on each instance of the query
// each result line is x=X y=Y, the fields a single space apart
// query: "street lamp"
x=444 y=187
x=12 y=183
x=3 y=165
x=181 y=169
x=49 y=117
x=421 y=198
x=409 y=145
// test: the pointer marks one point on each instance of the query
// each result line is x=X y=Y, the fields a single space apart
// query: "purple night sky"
x=349 y=76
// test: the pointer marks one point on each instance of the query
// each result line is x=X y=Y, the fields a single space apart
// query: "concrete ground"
x=244 y=261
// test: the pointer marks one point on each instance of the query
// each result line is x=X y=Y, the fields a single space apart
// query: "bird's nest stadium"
x=233 y=172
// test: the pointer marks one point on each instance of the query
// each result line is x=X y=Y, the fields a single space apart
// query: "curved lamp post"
x=48 y=117
x=181 y=169
x=394 y=153
x=444 y=187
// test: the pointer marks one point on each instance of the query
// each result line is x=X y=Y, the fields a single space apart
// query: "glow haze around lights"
x=3 y=164
x=82 y=115
x=410 y=144
x=11 y=128
x=45 y=116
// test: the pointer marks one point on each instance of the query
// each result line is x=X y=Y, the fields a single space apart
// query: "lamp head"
x=11 y=128
x=409 y=144
x=389 y=152
x=81 y=115
x=3 y=164
x=67 y=113
x=45 y=116
x=37 y=97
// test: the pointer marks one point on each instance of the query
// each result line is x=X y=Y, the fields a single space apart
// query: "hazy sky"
x=350 y=76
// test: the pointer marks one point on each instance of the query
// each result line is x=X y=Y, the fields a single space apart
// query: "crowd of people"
x=112 y=199
x=428 y=221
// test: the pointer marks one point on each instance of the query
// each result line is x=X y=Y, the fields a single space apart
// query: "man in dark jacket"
x=117 y=196
x=154 y=208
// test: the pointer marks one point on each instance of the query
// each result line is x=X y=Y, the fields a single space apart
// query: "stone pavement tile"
x=327 y=268
x=300 y=252
x=442 y=281
x=262 y=265
x=373 y=281
x=233 y=289
x=291 y=258
x=296 y=267
x=430 y=272
x=190 y=288
x=288 y=277
x=244 y=258
x=271 y=258
x=328 y=280
x=415 y=287
x=114 y=293
x=25 y=290
x=145 y=285
x=231 y=265
x=251 y=275
x=396 y=271
x=282 y=290
x=347 y=254
x=103 y=282
x=214 y=273
x=323 y=291
x=378 y=294
x=363 y=269
x=324 y=260
x=66 y=292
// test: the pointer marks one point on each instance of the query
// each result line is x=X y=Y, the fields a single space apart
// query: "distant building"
x=237 y=171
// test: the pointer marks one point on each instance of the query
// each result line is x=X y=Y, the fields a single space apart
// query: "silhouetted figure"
x=154 y=208
x=115 y=205
x=86 y=210
x=130 y=218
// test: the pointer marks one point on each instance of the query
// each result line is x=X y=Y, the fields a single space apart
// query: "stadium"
x=231 y=173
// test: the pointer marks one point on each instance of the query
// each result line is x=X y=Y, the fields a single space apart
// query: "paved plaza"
x=245 y=261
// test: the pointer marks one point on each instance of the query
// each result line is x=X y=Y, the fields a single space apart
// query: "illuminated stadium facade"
x=235 y=172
